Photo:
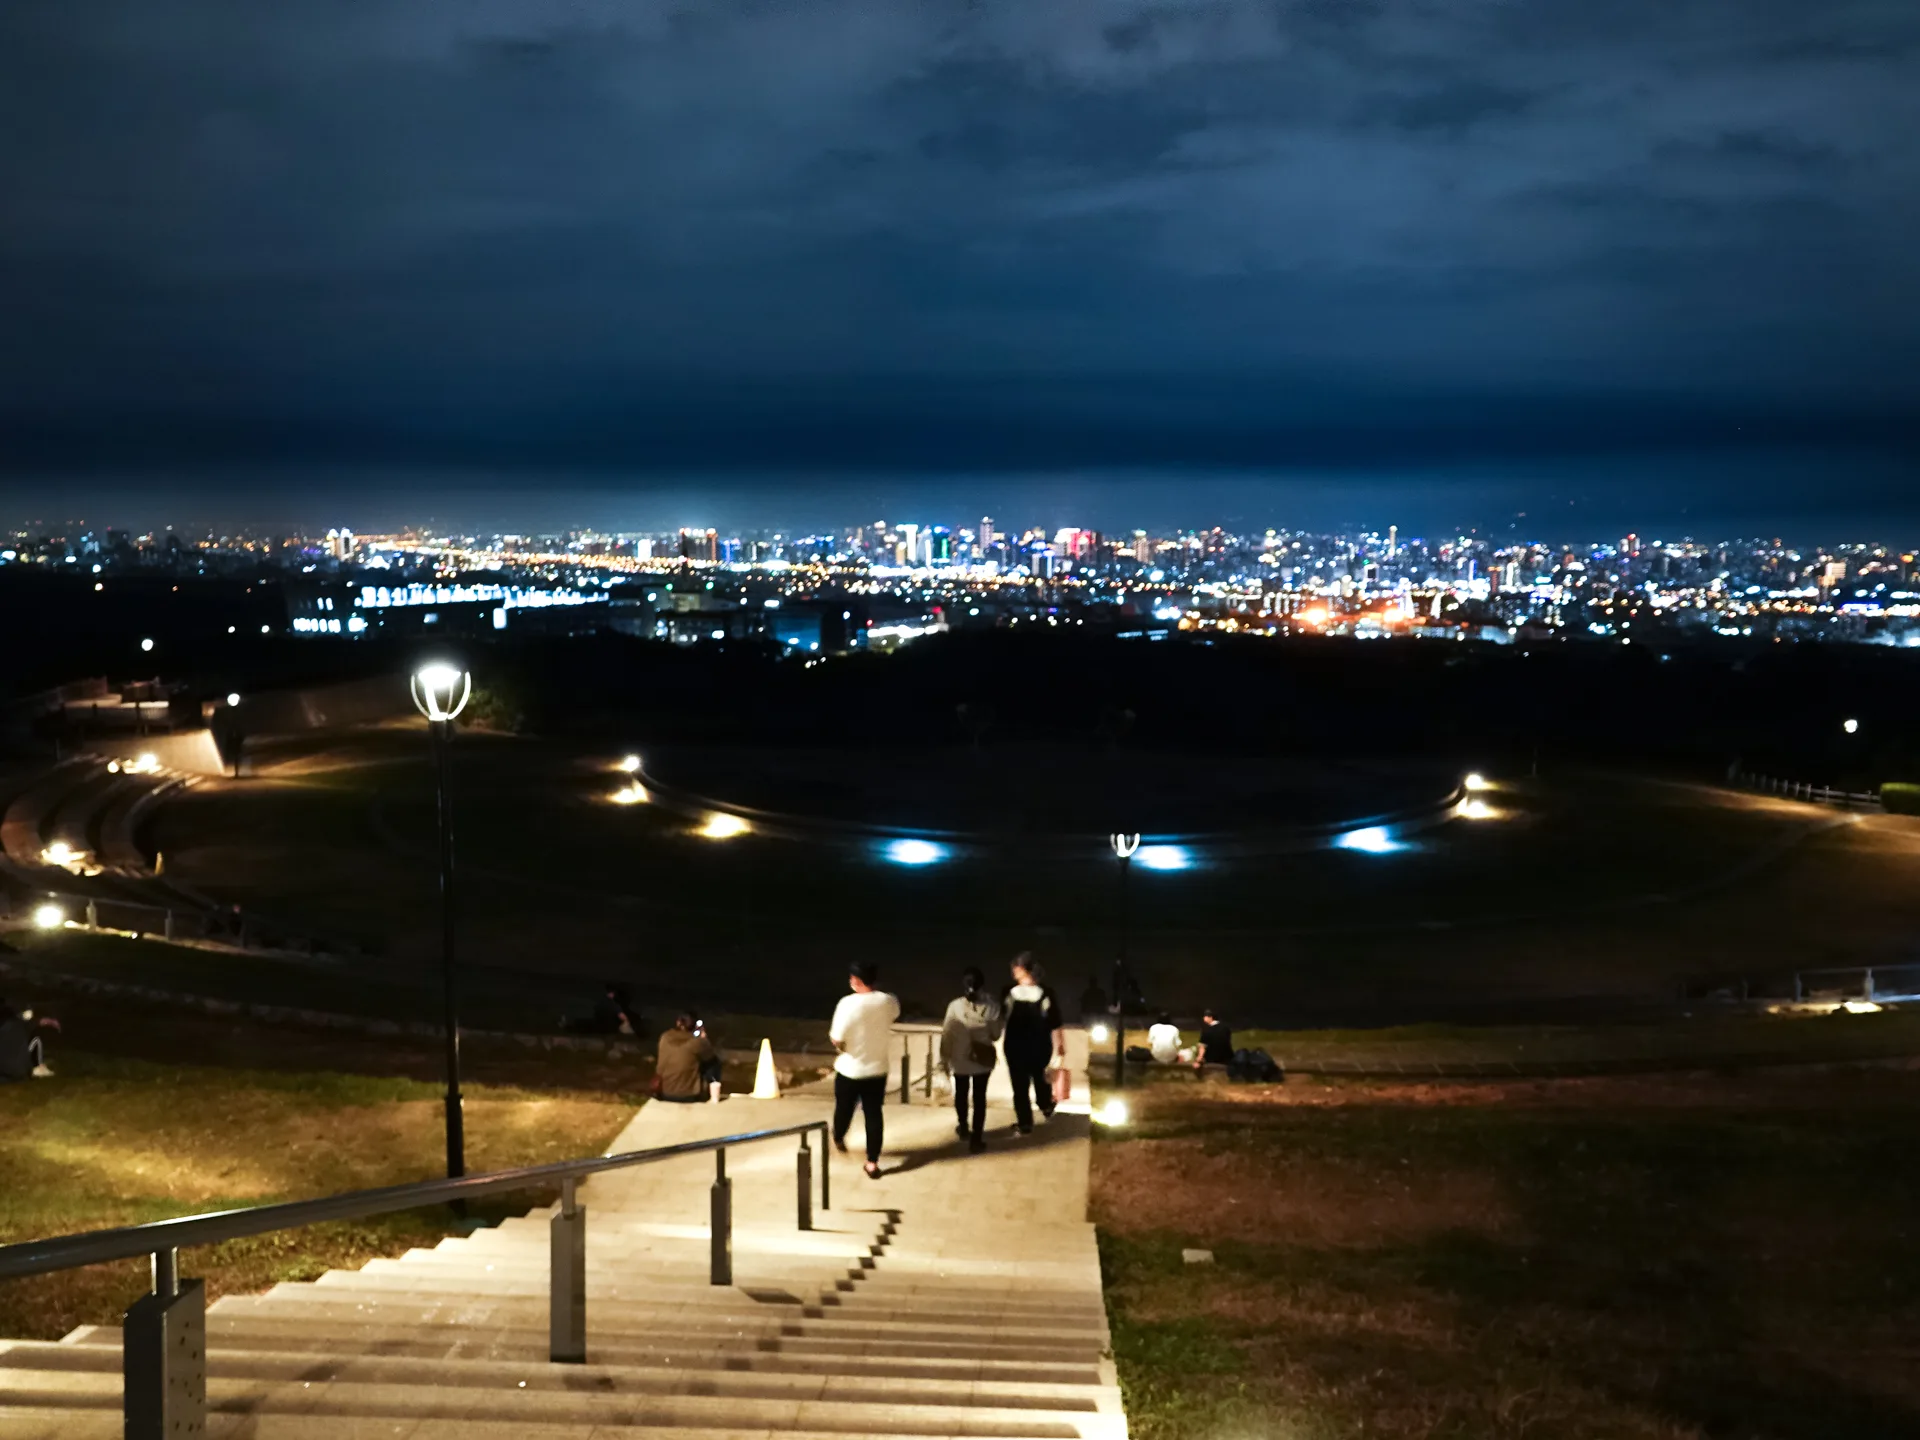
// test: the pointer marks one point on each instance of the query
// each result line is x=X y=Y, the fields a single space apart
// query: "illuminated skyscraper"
x=700 y=545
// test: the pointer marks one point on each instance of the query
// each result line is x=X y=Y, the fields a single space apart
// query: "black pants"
x=1028 y=1070
x=870 y=1095
x=976 y=1086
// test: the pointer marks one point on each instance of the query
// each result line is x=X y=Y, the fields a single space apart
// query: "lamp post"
x=1123 y=848
x=440 y=693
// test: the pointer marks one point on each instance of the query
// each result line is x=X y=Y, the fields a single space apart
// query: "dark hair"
x=865 y=971
x=1165 y=1018
x=1027 y=963
x=972 y=979
x=683 y=1022
x=1209 y=1013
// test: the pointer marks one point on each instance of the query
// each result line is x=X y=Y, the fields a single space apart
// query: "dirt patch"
x=1182 y=1185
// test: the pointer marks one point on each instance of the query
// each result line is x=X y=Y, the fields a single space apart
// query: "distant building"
x=700 y=545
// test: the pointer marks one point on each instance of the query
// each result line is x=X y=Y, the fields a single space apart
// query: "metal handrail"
x=95 y=1247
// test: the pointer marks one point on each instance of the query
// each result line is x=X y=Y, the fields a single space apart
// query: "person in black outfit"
x=1035 y=1038
x=1216 y=1042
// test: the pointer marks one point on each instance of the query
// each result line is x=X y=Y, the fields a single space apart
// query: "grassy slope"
x=120 y=1141
x=1553 y=899
x=1574 y=1258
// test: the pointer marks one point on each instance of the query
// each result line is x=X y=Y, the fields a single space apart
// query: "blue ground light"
x=914 y=852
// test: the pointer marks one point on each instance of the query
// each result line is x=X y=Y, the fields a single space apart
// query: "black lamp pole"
x=1120 y=981
x=456 y=1127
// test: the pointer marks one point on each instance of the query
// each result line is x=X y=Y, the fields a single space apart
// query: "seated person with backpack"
x=1216 y=1041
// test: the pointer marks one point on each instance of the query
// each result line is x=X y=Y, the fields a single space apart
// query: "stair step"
x=837 y=1406
x=285 y=1368
x=305 y=1334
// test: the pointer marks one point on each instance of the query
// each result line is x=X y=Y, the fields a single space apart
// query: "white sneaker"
x=43 y=1072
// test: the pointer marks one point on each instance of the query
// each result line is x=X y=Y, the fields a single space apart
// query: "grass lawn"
x=118 y=1141
x=1588 y=885
x=1681 y=1257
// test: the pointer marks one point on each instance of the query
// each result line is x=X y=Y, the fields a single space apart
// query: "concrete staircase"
x=959 y=1296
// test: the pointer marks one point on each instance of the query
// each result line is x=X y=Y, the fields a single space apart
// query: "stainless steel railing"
x=164 y=1335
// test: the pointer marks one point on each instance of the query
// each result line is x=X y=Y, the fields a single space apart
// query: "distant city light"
x=49 y=917
x=1372 y=840
x=630 y=765
x=1850 y=726
x=1164 y=857
x=722 y=826
x=915 y=852
x=1475 y=781
x=1114 y=1112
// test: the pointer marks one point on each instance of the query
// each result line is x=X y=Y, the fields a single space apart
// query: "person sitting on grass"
x=1163 y=1039
x=23 y=1053
x=682 y=1066
x=1216 y=1041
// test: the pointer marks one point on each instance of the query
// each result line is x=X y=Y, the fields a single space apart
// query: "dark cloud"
x=970 y=232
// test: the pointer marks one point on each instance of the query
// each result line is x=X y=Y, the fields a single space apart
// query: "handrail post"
x=803 y=1182
x=826 y=1168
x=906 y=1072
x=928 y=1092
x=164 y=1356
x=721 y=1221
x=567 y=1281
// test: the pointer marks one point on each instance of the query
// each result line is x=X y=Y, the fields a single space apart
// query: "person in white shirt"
x=862 y=1027
x=1163 y=1039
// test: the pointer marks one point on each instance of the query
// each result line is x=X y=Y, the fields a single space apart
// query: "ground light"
x=1099 y=1034
x=722 y=826
x=635 y=794
x=1164 y=857
x=1478 y=810
x=915 y=852
x=1373 y=840
x=1114 y=1112
x=49 y=917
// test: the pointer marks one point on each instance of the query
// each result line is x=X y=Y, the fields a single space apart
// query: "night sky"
x=644 y=262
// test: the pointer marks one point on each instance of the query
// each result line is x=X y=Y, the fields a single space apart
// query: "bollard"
x=906 y=1074
x=93 y=916
x=169 y=923
x=722 y=1222
x=567 y=1283
x=164 y=1356
x=803 y=1182
x=826 y=1171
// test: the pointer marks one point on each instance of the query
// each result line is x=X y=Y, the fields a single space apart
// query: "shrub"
x=1900 y=797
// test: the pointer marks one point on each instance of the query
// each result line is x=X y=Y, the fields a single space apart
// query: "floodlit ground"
x=1584 y=885
x=1659 y=1258
x=117 y=1140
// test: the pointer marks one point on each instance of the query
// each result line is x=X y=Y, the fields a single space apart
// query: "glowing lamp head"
x=59 y=853
x=440 y=691
x=233 y=699
x=722 y=826
x=1124 y=845
x=1852 y=727
x=146 y=645
x=1475 y=781
x=1114 y=1112
x=49 y=917
x=1477 y=810
x=634 y=794
x=630 y=765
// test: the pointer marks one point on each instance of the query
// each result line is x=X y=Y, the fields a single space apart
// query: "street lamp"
x=1850 y=726
x=1123 y=848
x=440 y=693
